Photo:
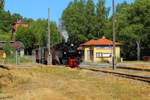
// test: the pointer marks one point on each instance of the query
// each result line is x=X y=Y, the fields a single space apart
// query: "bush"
x=8 y=49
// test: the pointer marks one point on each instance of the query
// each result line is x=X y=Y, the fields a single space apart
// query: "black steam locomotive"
x=62 y=54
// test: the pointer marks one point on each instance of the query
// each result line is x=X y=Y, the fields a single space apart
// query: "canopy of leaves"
x=37 y=32
x=84 y=20
x=133 y=24
x=8 y=49
x=2 y=4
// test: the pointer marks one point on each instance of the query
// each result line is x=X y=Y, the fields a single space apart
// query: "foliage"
x=37 y=33
x=2 y=4
x=5 y=21
x=5 y=37
x=84 y=20
x=102 y=19
x=133 y=25
x=26 y=36
x=8 y=49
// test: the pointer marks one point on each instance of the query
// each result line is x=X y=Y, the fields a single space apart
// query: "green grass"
x=12 y=60
x=5 y=37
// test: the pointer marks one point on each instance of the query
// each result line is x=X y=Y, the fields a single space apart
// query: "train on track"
x=62 y=54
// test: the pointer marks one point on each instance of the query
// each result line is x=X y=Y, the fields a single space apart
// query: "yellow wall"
x=95 y=50
x=85 y=53
x=2 y=54
x=86 y=49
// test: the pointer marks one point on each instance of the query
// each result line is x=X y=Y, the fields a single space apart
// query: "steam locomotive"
x=62 y=54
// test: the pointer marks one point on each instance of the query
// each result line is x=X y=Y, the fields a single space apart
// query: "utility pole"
x=114 y=37
x=48 y=43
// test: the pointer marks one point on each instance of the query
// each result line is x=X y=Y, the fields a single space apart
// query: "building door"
x=90 y=55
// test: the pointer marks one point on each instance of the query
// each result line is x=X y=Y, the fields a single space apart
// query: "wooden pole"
x=48 y=43
x=114 y=37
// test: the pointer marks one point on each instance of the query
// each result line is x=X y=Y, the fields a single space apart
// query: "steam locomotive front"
x=71 y=56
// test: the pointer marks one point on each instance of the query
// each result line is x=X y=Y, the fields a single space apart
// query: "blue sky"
x=38 y=8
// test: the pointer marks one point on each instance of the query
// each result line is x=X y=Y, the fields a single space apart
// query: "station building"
x=100 y=50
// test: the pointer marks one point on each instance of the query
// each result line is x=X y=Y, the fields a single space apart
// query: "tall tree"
x=5 y=21
x=2 y=4
x=133 y=25
x=74 y=21
x=37 y=32
x=102 y=18
x=90 y=19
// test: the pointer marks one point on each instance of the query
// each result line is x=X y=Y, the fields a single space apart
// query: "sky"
x=39 y=8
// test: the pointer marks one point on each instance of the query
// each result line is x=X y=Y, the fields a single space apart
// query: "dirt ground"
x=59 y=83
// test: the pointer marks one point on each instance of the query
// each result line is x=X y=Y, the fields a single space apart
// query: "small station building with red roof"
x=100 y=50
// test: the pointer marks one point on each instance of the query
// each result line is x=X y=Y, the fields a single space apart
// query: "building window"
x=98 y=55
x=103 y=55
x=104 y=47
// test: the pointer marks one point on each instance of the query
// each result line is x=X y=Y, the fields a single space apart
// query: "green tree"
x=55 y=34
x=2 y=4
x=5 y=21
x=15 y=17
x=102 y=19
x=39 y=29
x=8 y=49
x=133 y=25
x=37 y=33
x=26 y=36
x=90 y=19
x=74 y=21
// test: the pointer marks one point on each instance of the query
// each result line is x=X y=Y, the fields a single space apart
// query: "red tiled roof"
x=16 y=26
x=102 y=41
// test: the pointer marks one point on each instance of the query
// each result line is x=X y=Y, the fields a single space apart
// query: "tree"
x=37 y=33
x=39 y=29
x=90 y=19
x=2 y=4
x=8 y=49
x=133 y=25
x=74 y=21
x=102 y=18
x=5 y=21
x=55 y=34
x=26 y=36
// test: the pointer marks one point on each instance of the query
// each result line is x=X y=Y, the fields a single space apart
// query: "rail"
x=130 y=76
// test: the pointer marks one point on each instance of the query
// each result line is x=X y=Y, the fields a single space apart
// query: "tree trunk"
x=138 y=50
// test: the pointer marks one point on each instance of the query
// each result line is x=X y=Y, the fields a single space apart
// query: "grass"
x=137 y=64
x=135 y=61
x=5 y=37
x=12 y=60
x=59 y=83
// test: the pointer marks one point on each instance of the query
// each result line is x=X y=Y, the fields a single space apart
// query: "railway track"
x=120 y=74
x=136 y=69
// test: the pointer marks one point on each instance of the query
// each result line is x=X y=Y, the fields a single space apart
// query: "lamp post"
x=114 y=36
